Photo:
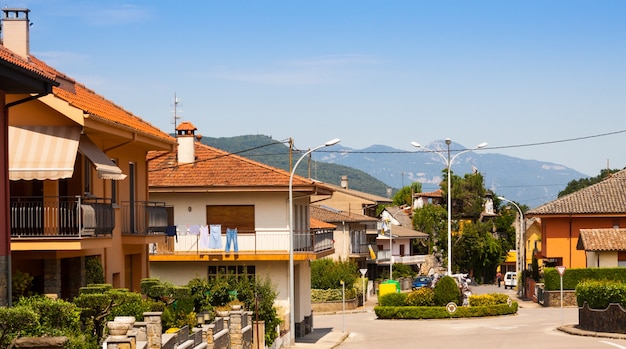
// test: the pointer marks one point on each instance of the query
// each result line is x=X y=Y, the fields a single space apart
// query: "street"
x=533 y=326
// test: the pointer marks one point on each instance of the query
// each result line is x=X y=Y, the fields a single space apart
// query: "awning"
x=42 y=152
x=105 y=167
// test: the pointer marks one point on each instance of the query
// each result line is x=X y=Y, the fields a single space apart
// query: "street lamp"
x=449 y=162
x=519 y=238
x=292 y=322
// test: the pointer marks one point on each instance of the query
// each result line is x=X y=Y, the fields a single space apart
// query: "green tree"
x=432 y=220
x=404 y=196
x=328 y=274
x=576 y=185
x=477 y=251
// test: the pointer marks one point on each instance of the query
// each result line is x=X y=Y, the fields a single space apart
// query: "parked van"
x=510 y=279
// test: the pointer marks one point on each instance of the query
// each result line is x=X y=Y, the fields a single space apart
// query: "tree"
x=432 y=220
x=404 y=196
x=477 y=251
x=576 y=185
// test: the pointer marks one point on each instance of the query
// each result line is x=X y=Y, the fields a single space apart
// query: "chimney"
x=344 y=182
x=185 y=135
x=15 y=30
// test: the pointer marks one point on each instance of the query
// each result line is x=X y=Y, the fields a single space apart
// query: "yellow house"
x=78 y=181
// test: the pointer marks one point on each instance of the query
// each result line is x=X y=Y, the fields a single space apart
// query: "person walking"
x=499 y=277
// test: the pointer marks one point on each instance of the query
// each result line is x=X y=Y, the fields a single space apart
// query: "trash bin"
x=393 y=282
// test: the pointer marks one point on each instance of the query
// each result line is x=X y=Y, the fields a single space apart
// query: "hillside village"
x=85 y=179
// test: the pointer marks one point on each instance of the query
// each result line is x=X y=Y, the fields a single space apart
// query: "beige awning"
x=42 y=152
x=105 y=167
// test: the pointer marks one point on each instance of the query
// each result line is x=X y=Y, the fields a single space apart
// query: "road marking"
x=613 y=344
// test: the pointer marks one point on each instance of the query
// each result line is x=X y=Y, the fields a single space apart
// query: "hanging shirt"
x=215 y=236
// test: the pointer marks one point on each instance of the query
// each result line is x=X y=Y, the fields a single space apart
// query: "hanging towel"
x=204 y=237
x=194 y=229
x=215 y=236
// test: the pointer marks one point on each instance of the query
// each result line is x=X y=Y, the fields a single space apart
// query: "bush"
x=600 y=293
x=572 y=277
x=402 y=271
x=488 y=299
x=422 y=297
x=446 y=291
x=328 y=274
x=393 y=300
x=387 y=312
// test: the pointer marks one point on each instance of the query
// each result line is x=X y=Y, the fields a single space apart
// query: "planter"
x=118 y=329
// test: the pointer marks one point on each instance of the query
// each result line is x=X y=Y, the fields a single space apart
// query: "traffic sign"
x=561 y=269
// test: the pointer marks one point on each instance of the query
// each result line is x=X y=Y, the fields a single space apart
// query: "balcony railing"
x=144 y=217
x=258 y=242
x=60 y=216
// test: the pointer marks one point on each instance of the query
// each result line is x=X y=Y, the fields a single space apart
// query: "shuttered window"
x=232 y=216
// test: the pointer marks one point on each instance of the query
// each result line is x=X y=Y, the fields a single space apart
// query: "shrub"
x=488 y=299
x=383 y=312
x=327 y=274
x=94 y=272
x=572 y=277
x=446 y=291
x=421 y=297
x=600 y=293
x=393 y=300
x=402 y=271
x=14 y=320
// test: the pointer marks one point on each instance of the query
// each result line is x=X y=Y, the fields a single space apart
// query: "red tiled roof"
x=609 y=239
x=328 y=214
x=9 y=56
x=79 y=96
x=186 y=126
x=215 y=169
x=317 y=224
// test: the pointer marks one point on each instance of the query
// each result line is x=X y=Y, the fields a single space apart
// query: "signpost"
x=561 y=270
x=363 y=272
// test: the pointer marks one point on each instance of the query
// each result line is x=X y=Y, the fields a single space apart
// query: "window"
x=114 y=188
x=232 y=216
x=247 y=271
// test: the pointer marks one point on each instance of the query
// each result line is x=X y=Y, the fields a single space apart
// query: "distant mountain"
x=379 y=167
x=276 y=154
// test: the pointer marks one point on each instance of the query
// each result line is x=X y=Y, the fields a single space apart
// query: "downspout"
x=8 y=243
x=570 y=240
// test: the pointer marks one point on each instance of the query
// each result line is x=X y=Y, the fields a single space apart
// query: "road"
x=533 y=326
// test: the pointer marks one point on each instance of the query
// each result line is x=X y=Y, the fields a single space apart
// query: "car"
x=510 y=279
x=421 y=281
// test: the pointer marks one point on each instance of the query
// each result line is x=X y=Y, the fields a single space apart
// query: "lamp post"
x=519 y=238
x=292 y=322
x=449 y=162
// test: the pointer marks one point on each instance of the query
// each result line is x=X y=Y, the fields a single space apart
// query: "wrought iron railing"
x=60 y=216
x=144 y=217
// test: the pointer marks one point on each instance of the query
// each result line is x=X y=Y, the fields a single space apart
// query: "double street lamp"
x=449 y=162
x=292 y=323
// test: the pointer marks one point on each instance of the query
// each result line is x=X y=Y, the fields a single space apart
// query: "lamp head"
x=416 y=145
x=481 y=145
x=332 y=142
x=448 y=141
x=501 y=198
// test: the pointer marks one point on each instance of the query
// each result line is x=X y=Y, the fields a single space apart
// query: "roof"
x=404 y=232
x=328 y=214
x=317 y=224
x=608 y=239
x=431 y=194
x=99 y=108
x=360 y=194
x=218 y=170
x=405 y=229
x=608 y=196
x=186 y=126
x=16 y=69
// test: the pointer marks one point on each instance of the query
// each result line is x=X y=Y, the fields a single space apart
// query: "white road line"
x=613 y=344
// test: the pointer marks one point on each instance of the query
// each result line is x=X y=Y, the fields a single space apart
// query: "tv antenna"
x=176 y=116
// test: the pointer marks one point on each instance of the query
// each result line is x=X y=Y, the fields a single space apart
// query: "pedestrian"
x=499 y=277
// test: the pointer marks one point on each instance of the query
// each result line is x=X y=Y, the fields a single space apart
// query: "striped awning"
x=105 y=167
x=42 y=152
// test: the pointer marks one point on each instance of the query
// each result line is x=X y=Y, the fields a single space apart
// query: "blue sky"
x=510 y=73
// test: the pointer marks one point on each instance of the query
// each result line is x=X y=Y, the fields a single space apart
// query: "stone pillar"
x=119 y=343
x=154 y=329
x=52 y=277
x=235 y=329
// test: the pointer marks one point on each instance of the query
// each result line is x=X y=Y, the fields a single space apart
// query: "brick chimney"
x=15 y=30
x=186 y=135
x=344 y=182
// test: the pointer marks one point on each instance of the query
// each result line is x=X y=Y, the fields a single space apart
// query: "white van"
x=510 y=279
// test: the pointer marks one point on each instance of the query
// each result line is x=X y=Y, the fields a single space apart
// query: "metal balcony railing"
x=144 y=217
x=257 y=242
x=60 y=216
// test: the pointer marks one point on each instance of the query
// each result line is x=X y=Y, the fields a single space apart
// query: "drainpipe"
x=570 y=241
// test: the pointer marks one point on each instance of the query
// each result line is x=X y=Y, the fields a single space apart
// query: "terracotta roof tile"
x=360 y=194
x=186 y=126
x=608 y=196
x=9 y=56
x=317 y=224
x=215 y=169
x=611 y=239
x=79 y=96
x=328 y=214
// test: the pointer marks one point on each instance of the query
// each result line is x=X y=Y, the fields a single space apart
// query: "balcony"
x=60 y=216
x=144 y=217
x=251 y=243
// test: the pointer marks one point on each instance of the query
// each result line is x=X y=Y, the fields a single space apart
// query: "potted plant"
x=222 y=310
x=235 y=304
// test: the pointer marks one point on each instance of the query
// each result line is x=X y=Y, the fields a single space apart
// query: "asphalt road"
x=533 y=327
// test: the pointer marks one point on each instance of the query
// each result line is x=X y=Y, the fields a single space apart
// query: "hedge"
x=571 y=277
x=600 y=293
x=408 y=312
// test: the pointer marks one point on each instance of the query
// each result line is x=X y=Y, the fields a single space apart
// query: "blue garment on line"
x=231 y=238
x=215 y=236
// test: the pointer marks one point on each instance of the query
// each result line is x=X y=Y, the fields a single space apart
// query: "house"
x=78 y=187
x=350 y=200
x=571 y=225
x=397 y=231
x=231 y=214
x=18 y=79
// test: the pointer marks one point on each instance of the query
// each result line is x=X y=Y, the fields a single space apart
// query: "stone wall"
x=612 y=319
x=553 y=298
x=335 y=306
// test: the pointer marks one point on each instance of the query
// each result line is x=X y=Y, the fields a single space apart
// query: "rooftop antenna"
x=176 y=117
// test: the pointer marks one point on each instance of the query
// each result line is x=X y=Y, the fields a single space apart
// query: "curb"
x=574 y=330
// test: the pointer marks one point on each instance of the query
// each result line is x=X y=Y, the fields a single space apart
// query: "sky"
x=540 y=80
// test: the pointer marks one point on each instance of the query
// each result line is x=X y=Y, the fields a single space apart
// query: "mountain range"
x=381 y=170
